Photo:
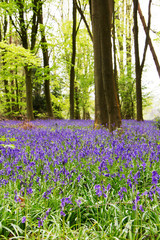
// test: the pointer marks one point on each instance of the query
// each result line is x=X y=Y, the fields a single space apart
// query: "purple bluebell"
x=23 y=219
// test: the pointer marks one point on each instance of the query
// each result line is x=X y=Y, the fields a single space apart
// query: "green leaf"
x=8 y=146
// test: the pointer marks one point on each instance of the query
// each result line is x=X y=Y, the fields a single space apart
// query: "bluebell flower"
x=98 y=190
x=129 y=182
x=40 y=222
x=47 y=213
x=141 y=208
x=108 y=187
x=155 y=177
x=78 y=202
x=29 y=190
x=62 y=213
x=23 y=219
x=121 y=195
x=79 y=178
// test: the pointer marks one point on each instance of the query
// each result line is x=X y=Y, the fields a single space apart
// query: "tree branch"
x=147 y=35
x=149 y=41
x=84 y=19
x=80 y=20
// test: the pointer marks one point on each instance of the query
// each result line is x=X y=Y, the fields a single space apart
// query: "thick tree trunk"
x=104 y=82
x=72 y=71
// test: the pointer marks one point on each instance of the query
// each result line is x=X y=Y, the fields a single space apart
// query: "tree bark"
x=17 y=91
x=104 y=82
x=77 y=111
x=29 y=93
x=115 y=75
x=28 y=81
x=129 y=105
x=72 y=71
x=137 y=64
x=44 y=48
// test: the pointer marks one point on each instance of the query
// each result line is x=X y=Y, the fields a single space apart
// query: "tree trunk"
x=115 y=75
x=28 y=80
x=72 y=71
x=137 y=64
x=129 y=104
x=29 y=93
x=77 y=112
x=5 y=81
x=139 y=67
x=44 y=48
x=22 y=31
x=104 y=82
x=17 y=91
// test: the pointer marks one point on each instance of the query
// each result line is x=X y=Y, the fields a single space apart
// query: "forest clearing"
x=62 y=179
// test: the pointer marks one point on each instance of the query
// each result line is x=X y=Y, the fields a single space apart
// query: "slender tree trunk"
x=12 y=94
x=72 y=71
x=44 y=48
x=128 y=36
x=84 y=113
x=104 y=82
x=17 y=92
x=12 y=74
x=120 y=33
x=137 y=65
x=77 y=112
x=115 y=75
x=29 y=93
x=129 y=104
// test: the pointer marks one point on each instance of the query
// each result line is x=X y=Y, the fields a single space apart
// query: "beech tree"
x=107 y=110
x=4 y=21
x=27 y=29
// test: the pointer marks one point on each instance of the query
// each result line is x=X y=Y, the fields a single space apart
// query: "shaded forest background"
x=48 y=59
